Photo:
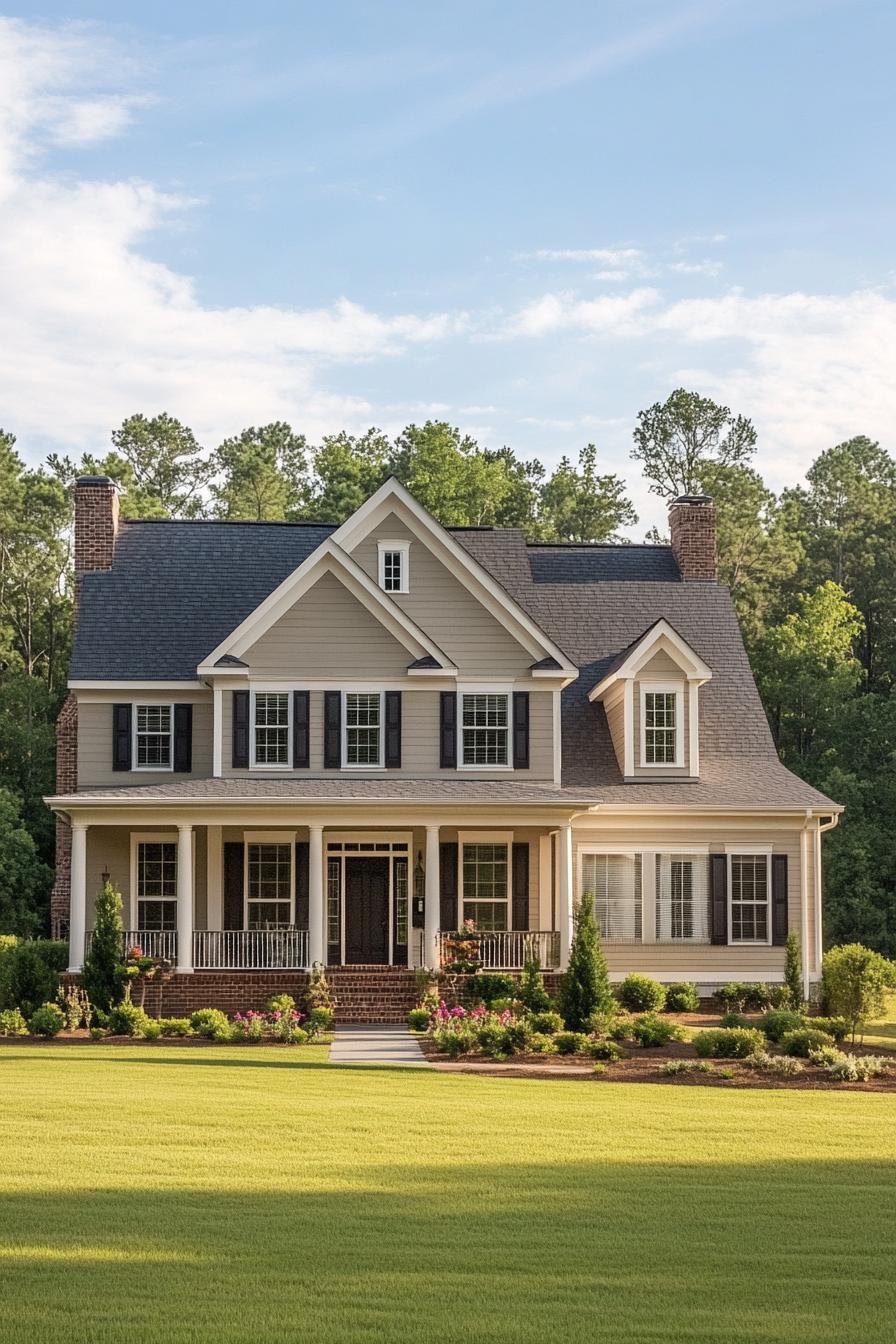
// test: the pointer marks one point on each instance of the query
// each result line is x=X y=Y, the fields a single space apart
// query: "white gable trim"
x=659 y=637
x=328 y=558
x=467 y=570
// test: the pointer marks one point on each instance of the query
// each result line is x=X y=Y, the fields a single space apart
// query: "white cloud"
x=558 y=312
x=696 y=267
x=613 y=256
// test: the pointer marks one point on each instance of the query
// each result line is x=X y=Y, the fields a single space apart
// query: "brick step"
x=372 y=993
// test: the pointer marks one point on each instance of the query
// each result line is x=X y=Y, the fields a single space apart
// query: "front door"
x=367 y=911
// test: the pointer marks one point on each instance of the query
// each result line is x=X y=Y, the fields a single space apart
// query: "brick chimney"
x=96 y=522
x=692 y=523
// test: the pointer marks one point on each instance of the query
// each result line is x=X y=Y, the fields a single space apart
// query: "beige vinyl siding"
x=614 y=708
x=328 y=633
x=661 y=665
x=442 y=606
x=420 y=714
x=664 y=771
x=109 y=849
x=95 y=742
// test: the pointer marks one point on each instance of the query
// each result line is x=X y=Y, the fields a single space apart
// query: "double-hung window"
x=750 y=887
x=662 y=727
x=613 y=883
x=271 y=728
x=269 y=885
x=153 y=737
x=682 y=898
x=484 y=730
x=485 y=885
x=157 y=885
x=363 y=744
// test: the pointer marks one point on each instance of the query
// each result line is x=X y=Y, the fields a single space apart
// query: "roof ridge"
x=230 y=522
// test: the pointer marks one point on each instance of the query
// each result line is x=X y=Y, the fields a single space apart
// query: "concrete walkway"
x=376 y=1043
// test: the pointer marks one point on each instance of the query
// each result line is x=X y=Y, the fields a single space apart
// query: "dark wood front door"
x=367 y=911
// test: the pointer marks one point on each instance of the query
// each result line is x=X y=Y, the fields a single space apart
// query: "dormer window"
x=393 y=566
x=662 y=725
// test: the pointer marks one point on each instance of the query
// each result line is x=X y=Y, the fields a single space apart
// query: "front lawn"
x=241 y=1194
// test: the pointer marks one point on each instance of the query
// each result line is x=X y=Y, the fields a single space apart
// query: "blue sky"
x=530 y=219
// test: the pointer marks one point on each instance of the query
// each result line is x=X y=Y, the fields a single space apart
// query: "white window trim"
x=269 y=838
x=675 y=688
x=484 y=688
x=362 y=690
x=751 y=851
x=151 y=704
x=268 y=765
x=403 y=548
x=151 y=838
x=484 y=838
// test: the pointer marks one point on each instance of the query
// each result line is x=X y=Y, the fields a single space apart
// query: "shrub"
x=640 y=994
x=12 y=1023
x=502 y=1005
x=418 y=1019
x=280 y=1003
x=319 y=1019
x=801 y=1042
x=97 y=1033
x=76 y=1006
x=779 y=1021
x=488 y=986
x=621 y=1028
x=103 y=975
x=784 y=1065
x=495 y=1039
x=757 y=997
x=585 y=985
x=540 y=1044
x=456 y=1036
x=651 y=1030
x=210 y=1022
x=844 y=1068
x=854 y=981
x=599 y=1069
x=726 y=1073
x=318 y=994
x=570 y=1042
x=29 y=972
x=152 y=1029
x=838 y=1027
x=174 y=1026
x=733 y=1020
x=48 y=1020
x=682 y=997
x=732 y=996
x=674 y=1066
x=608 y=1050
x=728 y=1042
x=531 y=991
x=127 y=1019
x=793 y=970
x=547 y=1024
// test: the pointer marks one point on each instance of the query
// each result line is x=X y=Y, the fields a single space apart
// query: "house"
x=294 y=743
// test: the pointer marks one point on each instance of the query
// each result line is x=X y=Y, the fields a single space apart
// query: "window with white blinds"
x=682 y=898
x=613 y=881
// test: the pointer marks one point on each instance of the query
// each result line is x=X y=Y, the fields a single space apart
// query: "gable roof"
x=632 y=659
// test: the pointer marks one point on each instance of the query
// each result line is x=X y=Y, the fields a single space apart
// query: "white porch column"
x=317 y=942
x=77 y=918
x=184 y=896
x=433 y=902
x=564 y=893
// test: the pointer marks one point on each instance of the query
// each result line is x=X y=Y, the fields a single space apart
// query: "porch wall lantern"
x=419 y=910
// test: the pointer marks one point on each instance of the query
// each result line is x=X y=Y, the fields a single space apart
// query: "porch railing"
x=152 y=942
x=250 y=949
x=511 y=950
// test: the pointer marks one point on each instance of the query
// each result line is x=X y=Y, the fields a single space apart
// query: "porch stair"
x=372 y=993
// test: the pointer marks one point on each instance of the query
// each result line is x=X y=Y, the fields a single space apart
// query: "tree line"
x=812 y=572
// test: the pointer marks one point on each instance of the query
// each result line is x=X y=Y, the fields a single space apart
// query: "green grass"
x=883 y=1032
x=223 y=1194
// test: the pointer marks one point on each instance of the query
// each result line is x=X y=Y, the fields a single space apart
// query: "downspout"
x=804 y=900
x=826 y=826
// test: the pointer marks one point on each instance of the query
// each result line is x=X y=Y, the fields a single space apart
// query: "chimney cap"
x=96 y=480
x=691 y=499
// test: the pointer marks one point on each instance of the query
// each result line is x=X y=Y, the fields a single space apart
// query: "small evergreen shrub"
x=175 y=1026
x=757 y=997
x=793 y=970
x=152 y=1029
x=838 y=1027
x=621 y=1028
x=280 y=1003
x=640 y=994
x=418 y=1019
x=12 y=1023
x=651 y=1030
x=103 y=976
x=490 y=985
x=728 y=1042
x=456 y=1036
x=779 y=1021
x=585 y=985
x=127 y=1019
x=540 y=1044
x=531 y=991
x=570 y=1042
x=599 y=1068
x=547 y=1024
x=734 y=1020
x=97 y=1033
x=496 y=1040
x=802 y=1042
x=319 y=1019
x=210 y=1022
x=607 y=1050
x=732 y=997
x=784 y=1066
x=48 y=1020
x=682 y=997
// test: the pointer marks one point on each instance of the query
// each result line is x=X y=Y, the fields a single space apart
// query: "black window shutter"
x=240 y=731
x=301 y=746
x=520 y=889
x=121 y=737
x=779 y=899
x=448 y=918
x=393 y=730
x=448 y=730
x=302 y=873
x=233 y=882
x=183 y=738
x=521 y=730
x=718 y=897
x=332 y=730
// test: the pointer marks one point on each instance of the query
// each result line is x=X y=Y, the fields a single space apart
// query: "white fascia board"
x=329 y=557
x=162 y=687
x=693 y=668
x=474 y=577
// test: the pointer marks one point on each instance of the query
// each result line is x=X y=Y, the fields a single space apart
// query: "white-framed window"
x=749 y=896
x=271 y=723
x=484 y=729
x=156 y=885
x=153 y=737
x=268 y=883
x=393 y=557
x=662 y=724
x=362 y=730
x=682 y=898
x=485 y=880
x=613 y=882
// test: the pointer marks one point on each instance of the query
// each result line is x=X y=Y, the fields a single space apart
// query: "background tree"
x=160 y=468
x=262 y=475
x=25 y=880
x=583 y=505
x=677 y=438
x=347 y=470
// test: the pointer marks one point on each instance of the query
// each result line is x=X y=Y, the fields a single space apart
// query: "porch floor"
x=376 y=1043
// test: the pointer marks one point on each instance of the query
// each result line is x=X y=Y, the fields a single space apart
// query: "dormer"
x=650 y=695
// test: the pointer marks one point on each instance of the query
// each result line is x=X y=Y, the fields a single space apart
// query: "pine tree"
x=103 y=975
x=793 y=970
x=585 y=986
